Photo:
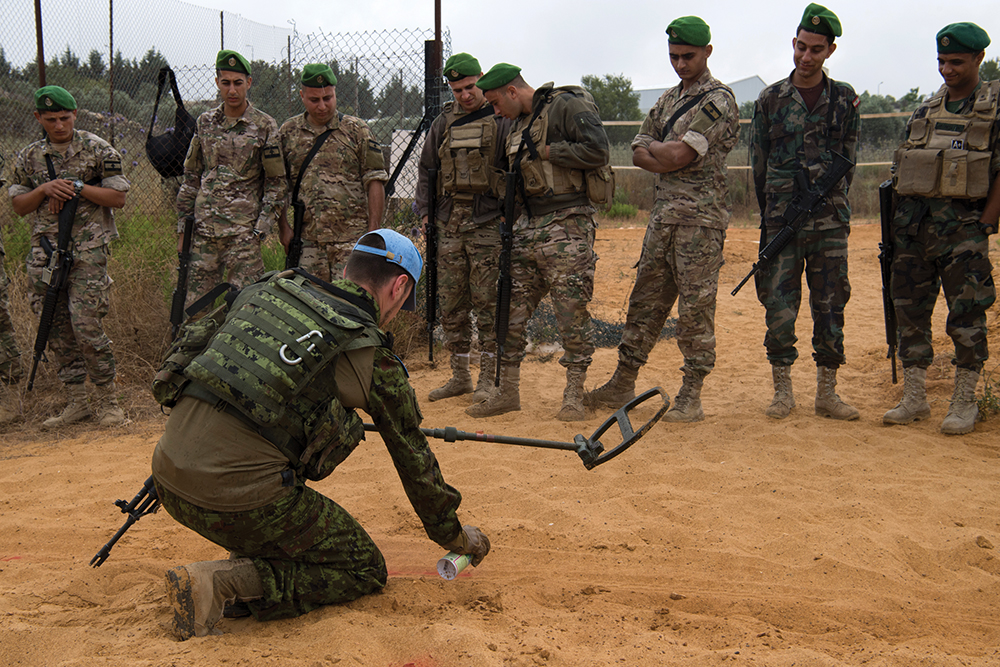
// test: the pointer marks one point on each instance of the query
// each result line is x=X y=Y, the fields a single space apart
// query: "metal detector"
x=591 y=449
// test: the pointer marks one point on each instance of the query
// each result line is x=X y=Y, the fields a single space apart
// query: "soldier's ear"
x=708 y=50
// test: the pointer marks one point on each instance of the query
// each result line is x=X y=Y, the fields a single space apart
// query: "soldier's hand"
x=470 y=541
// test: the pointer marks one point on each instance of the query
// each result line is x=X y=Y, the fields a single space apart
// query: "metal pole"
x=222 y=31
x=111 y=67
x=290 y=83
x=40 y=47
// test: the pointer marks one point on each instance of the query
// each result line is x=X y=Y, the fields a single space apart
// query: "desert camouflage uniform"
x=234 y=183
x=77 y=341
x=308 y=550
x=940 y=243
x=334 y=188
x=554 y=246
x=468 y=233
x=682 y=251
x=786 y=139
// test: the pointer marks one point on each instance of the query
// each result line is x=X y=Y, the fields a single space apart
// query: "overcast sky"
x=888 y=45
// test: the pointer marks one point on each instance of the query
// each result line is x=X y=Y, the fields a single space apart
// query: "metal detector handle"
x=593 y=456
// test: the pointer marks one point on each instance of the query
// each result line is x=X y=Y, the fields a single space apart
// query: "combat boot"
x=784 y=400
x=460 y=382
x=572 y=409
x=964 y=411
x=687 y=405
x=107 y=410
x=75 y=411
x=828 y=404
x=913 y=406
x=199 y=592
x=617 y=391
x=508 y=399
x=485 y=387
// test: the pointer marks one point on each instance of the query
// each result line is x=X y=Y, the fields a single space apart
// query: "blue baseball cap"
x=398 y=250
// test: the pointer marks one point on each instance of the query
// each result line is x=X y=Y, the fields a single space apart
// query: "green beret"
x=821 y=20
x=54 y=98
x=232 y=62
x=318 y=75
x=460 y=66
x=962 y=38
x=499 y=75
x=689 y=30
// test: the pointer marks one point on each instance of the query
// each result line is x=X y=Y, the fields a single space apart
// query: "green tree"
x=354 y=92
x=398 y=100
x=746 y=109
x=94 y=69
x=614 y=96
x=990 y=69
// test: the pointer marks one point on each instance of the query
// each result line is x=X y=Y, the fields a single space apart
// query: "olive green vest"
x=946 y=154
x=466 y=153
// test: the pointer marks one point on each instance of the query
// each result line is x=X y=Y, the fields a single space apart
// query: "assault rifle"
x=294 y=255
x=181 y=290
x=145 y=502
x=504 y=276
x=886 y=253
x=431 y=236
x=55 y=275
x=798 y=212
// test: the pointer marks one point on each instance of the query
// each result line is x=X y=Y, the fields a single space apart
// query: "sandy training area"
x=737 y=540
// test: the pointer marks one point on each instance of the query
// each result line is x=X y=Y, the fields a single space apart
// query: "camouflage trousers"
x=926 y=259
x=678 y=263
x=326 y=261
x=10 y=353
x=235 y=259
x=554 y=254
x=468 y=264
x=77 y=342
x=307 y=549
x=823 y=257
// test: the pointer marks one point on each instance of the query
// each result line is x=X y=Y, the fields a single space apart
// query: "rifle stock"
x=798 y=212
x=181 y=289
x=504 y=277
x=886 y=252
x=55 y=275
x=431 y=237
x=294 y=256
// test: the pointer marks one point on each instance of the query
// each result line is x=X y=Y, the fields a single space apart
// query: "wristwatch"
x=259 y=235
x=78 y=186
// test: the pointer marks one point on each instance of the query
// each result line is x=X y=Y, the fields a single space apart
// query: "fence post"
x=111 y=68
x=40 y=46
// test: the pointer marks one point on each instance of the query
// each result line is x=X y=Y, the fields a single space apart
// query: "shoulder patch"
x=374 y=146
x=706 y=117
x=271 y=152
x=856 y=101
x=112 y=167
x=712 y=111
x=272 y=162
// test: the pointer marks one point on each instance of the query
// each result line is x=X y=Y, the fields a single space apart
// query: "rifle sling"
x=680 y=112
x=305 y=163
x=474 y=116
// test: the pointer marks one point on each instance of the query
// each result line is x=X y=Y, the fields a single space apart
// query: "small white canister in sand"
x=452 y=564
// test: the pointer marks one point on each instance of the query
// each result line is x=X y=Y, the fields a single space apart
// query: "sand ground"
x=737 y=540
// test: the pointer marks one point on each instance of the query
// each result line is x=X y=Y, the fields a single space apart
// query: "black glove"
x=470 y=541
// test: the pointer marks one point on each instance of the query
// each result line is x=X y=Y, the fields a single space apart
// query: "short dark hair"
x=829 y=38
x=373 y=270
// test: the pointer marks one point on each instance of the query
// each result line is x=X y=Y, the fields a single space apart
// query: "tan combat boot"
x=784 y=400
x=572 y=409
x=913 y=406
x=964 y=411
x=508 y=399
x=617 y=391
x=460 y=382
x=687 y=405
x=107 y=410
x=485 y=387
x=75 y=411
x=828 y=404
x=199 y=592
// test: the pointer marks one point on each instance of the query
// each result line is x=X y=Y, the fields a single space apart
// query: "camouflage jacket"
x=334 y=187
x=698 y=194
x=947 y=212
x=786 y=138
x=485 y=207
x=88 y=158
x=234 y=178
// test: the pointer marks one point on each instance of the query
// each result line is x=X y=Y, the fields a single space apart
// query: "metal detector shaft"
x=591 y=449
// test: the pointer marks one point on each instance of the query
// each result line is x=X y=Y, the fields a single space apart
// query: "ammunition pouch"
x=466 y=154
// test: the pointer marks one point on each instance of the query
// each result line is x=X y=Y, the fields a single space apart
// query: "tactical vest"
x=946 y=154
x=466 y=153
x=272 y=363
x=544 y=179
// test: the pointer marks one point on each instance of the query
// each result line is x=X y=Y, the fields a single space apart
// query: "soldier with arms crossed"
x=684 y=141
x=342 y=189
x=798 y=124
x=947 y=177
x=82 y=164
x=463 y=144
x=234 y=184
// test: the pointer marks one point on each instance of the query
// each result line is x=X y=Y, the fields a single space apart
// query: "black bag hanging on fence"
x=167 y=151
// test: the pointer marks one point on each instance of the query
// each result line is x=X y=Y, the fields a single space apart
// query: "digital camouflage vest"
x=946 y=154
x=466 y=152
x=273 y=360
